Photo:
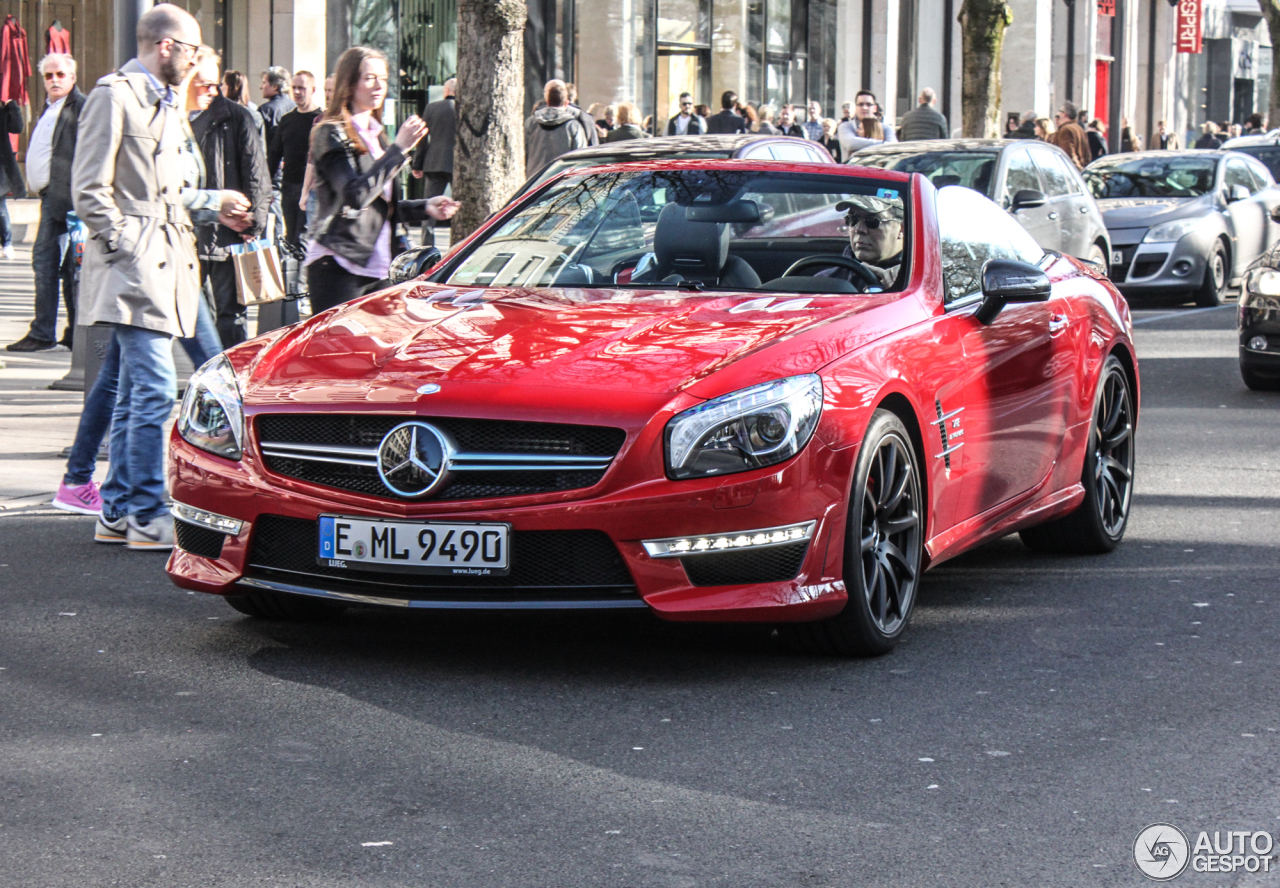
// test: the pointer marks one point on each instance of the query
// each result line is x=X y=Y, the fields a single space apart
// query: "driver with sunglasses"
x=875 y=239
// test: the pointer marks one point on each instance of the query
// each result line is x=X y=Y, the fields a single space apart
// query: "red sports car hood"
x=384 y=347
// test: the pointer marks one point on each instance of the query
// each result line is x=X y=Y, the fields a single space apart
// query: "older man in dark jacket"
x=234 y=160
x=51 y=151
x=433 y=158
x=923 y=121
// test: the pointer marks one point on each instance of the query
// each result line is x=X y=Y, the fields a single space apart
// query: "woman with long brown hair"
x=235 y=86
x=357 y=184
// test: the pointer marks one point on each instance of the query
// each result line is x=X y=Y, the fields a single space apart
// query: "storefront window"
x=778 y=27
x=428 y=50
x=374 y=23
x=684 y=21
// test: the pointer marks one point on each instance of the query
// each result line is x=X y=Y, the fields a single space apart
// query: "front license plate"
x=455 y=548
x=1117 y=257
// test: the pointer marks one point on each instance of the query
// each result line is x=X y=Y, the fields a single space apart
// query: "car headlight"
x=747 y=429
x=1171 y=232
x=212 y=414
x=1263 y=281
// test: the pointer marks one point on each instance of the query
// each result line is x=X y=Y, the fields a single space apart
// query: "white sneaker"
x=8 y=253
x=110 y=531
x=156 y=535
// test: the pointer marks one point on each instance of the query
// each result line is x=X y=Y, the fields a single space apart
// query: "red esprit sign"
x=1188 y=25
x=1106 y=7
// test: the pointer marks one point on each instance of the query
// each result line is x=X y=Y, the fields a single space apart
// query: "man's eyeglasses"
x=189 y=47
x=871 y=223
x=204 y=86
x=56 y=75
x=686 y=104
x=866 y=104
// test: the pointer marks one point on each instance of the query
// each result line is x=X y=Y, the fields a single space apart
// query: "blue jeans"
x=6 y=229
x=48 y=261
x=99 y=404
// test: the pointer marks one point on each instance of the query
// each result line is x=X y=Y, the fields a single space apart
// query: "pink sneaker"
x=82 y=499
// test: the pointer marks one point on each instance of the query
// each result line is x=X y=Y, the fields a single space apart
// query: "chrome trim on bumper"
x=353 y=598
x=458 y=462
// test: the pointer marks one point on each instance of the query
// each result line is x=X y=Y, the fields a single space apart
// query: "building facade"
x=1115 y=59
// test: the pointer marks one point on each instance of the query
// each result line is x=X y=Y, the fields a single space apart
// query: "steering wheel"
x=828 y=259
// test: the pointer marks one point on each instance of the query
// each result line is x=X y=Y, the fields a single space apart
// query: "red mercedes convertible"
x=718 y=390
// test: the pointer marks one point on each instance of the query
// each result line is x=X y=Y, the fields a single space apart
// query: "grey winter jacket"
x=550 y=132
x=922 y=122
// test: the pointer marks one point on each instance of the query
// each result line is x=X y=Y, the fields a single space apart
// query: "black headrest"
x=693 y=249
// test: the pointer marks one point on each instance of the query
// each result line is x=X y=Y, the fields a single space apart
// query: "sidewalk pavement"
x=35 y=422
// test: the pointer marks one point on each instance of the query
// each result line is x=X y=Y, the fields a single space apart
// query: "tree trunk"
x=488 y=159
x=982 y=24
x=1271 y=12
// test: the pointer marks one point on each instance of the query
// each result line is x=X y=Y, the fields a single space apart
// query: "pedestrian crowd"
x=558 y=125
x=171 y=170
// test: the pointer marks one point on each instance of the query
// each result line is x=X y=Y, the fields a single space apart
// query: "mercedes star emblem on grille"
x=413 y=459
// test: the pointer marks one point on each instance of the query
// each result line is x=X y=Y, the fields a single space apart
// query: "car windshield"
x=1148 y=176
x=1268 y=154
x=972 y=169
x=693 y=228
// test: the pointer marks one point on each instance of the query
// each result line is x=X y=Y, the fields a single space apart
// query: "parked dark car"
x=1258 y=321
x=748 y=146
x=1184 y=221
x=1034 y=181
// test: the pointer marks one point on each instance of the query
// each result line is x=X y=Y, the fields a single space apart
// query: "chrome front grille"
x=494 y=458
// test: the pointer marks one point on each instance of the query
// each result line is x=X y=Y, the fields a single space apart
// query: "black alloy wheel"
x=1214 y=289
x=1099 y=523
x=884 y=547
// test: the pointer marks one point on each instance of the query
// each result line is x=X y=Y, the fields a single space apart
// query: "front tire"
x=883 y=551
x=1098 y=524
x=1214 y=289
x=1099 y=258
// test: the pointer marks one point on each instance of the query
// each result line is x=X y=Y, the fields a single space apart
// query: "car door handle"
x=1053 y=215
x=1057 y=323
x=1084 y=209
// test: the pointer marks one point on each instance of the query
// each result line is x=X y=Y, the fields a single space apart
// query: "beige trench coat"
x=140 y=267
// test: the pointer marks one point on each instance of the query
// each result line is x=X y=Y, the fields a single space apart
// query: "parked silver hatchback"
x=1036 y=182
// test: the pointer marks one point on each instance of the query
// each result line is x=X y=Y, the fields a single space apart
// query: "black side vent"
x=198 y=540
x=772 y=564
x=942 y=432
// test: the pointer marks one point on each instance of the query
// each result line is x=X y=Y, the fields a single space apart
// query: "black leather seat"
x=697 y=251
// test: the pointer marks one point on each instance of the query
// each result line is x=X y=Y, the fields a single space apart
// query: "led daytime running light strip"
x=210 y=520
x=674 y=547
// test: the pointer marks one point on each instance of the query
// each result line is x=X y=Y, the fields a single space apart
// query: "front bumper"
x=1160 y=268
x=596 y=540
x=1259 y=316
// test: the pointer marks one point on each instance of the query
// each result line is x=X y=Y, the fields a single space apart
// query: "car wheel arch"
x=900 y=406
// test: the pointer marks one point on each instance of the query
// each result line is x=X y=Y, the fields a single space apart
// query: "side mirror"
x=411 y=263
x=1027 y=199
x=1275 y=213
x=1007 y=280
x=1237 y=192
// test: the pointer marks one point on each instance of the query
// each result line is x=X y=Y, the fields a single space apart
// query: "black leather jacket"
x=234 y=159
x=351 y=208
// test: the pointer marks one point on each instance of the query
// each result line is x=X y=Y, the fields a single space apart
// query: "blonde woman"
x=1044 y=128
x=628 y=127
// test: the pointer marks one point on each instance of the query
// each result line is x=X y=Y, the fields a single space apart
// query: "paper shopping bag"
x=259 y=277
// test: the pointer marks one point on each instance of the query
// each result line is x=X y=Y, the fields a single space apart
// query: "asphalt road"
x=1040 y=712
